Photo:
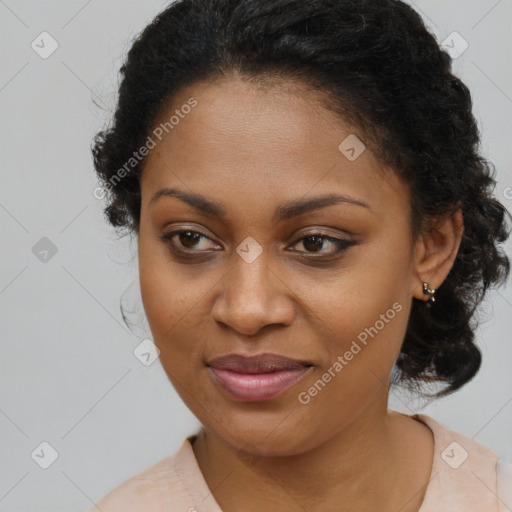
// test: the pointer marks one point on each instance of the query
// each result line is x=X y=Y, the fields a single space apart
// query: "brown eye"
x=188 y=242
x=189 y=238
x=313 y=242
x=317 y=242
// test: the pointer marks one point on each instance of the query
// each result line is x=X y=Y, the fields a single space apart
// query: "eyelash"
x=340 y=243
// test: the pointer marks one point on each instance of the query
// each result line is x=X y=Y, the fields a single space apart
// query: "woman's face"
x=249 y=280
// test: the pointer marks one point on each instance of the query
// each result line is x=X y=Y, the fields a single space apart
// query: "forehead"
x=251 y=139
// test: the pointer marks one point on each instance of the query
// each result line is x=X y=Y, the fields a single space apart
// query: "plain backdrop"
x=68 y=373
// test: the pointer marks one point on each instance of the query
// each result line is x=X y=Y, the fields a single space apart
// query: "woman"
x=314 y=223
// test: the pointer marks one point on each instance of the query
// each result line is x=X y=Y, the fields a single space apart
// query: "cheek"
x=359 y=339
x=176 y=303
x=364 y=311
x=362 y=340
x=165 y=295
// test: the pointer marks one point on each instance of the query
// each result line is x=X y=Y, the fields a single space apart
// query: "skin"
x=252 y=149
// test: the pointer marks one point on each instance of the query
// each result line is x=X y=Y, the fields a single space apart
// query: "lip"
x=260 y=363
x=257 y=378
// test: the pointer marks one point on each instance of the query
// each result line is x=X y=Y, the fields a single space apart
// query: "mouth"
x=257 y=378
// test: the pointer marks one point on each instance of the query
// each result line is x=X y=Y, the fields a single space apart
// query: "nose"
x=253 y=296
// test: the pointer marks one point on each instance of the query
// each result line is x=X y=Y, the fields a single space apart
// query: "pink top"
x=466 y=477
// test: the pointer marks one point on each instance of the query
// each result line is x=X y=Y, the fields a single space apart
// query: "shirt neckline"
x=202 y=497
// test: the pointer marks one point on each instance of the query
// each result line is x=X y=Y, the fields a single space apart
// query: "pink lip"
x=260 y=363
x=254 y=387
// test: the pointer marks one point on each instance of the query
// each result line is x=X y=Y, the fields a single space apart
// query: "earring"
x=429 y=292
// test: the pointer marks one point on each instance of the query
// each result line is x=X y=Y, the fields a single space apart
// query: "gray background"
x=68 y=373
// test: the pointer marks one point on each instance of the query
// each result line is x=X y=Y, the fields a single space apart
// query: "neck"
x=371 y=463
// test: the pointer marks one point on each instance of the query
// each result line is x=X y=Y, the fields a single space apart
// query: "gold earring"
x=429 y=292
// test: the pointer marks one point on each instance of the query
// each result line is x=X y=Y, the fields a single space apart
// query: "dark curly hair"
x=377 y=65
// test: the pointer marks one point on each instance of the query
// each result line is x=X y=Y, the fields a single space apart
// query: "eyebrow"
x=283 y=212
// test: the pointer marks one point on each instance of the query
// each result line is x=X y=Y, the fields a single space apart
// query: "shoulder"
x=158 y=488
x=504 y=484
x=465 y=473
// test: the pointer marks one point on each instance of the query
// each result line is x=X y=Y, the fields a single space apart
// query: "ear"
x=435 y=252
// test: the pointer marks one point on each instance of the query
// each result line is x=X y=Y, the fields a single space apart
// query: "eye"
x=315 y=243
x=191 y=243
x=187 y=241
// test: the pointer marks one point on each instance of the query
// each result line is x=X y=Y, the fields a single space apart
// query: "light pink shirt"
x=466 y=477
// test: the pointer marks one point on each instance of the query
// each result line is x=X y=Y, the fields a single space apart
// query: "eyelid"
x=168 y=236
x=322 y=231
x=187 y=227
x=340 y=243
x=325 y=232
